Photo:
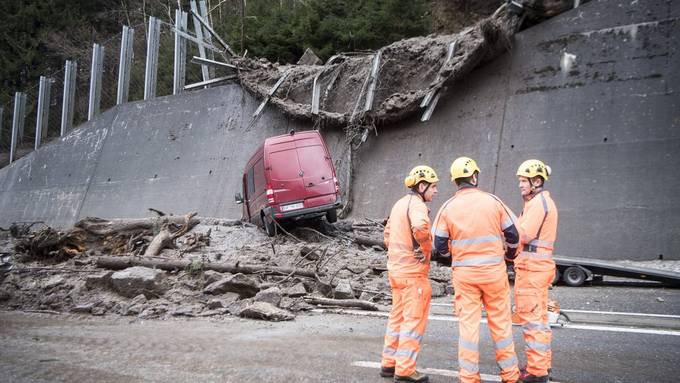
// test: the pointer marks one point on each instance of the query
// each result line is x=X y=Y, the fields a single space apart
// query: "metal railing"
x=112 y=73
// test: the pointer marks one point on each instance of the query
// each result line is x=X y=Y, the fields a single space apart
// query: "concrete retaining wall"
x=593 y=92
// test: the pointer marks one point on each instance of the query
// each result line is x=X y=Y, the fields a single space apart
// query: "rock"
x=212 y=276
x=215 y=304
x=309 y=253
x=210 y=313
x=98 y=311
x=136 y=306
x=297 y=290
x=53 y=282
x=83 y=309
x=237 y=283
x=309 y=58
x=102 y=280
x=265 y=311
x=139 y=280
x=438 y=289
x=366 y=296
x=153 y=312
x=295 y=304
x=343 y=290
x=188 y=311
x=271 y=295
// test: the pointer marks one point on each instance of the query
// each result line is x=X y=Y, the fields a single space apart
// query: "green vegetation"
x=38 y=35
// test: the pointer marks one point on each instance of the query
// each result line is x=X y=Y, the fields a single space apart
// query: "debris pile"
x=207 y=267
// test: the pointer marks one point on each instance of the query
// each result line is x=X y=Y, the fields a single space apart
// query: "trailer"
x=577 y=271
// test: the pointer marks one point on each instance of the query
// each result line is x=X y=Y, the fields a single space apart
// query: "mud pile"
x=272 y=278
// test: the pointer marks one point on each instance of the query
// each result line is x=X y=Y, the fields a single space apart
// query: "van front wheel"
x=332 y=216
x=268 y=225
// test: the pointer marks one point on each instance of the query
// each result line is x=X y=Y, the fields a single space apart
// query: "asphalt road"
x=316 y=347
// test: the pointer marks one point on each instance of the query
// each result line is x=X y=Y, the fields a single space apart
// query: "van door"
x=316 y=168
x=285 y=173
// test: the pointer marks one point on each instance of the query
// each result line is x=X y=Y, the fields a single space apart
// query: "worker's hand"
x=418 y=253
x=444 y=260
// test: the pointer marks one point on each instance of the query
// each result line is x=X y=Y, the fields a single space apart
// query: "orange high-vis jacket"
x=407 y=229
x=479 y=231
x=538 y=223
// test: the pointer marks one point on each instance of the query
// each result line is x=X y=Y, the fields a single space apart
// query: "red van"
x=290 y=177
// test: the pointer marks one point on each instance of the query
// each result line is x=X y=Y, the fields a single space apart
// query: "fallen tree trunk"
x=104 y=227
x=119 y=263
x=166 y=237
x=355 y=303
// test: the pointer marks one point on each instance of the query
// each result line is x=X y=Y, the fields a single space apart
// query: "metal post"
x=43 y=110
x=96 y=72
x=198 y=29
x=374 y=80
x=1 y=116
x=152 y=43
x=17 y=122
x=180 y=52
x=69 y=96
x=125 y=63
x=208 y=38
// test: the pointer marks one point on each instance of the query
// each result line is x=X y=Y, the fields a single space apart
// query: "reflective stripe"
x=542 y=243
x=472 y=367
x=408 y=354
x=512 y=245
x=507 y=223
x=536 y=326
x=476 y=261
x=503 y=343
x=411 y=334
x=440 y=233
x=389 y=351
x=507 y=363
x=538 y=346
x=389 y=332
x=528 y=254
x=545 y=203
x=474 y=241
x=468 y=345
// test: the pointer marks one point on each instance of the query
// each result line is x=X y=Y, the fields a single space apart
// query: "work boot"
x=415 y=377
x=386 y=372
x=526 y=377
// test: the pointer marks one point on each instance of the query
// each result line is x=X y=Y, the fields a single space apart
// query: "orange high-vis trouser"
x=531 y=301
x=407 y=322
x=469 y=298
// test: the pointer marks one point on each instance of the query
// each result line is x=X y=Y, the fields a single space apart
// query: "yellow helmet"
x=420 y=173
x=463 y=167
x=533 y=168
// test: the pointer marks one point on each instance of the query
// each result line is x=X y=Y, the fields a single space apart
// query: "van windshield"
x=284 y=165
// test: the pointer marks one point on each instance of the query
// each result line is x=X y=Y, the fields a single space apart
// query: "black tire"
x=268 y=225
x=557 y=276
x=574 y=276
x=332 y=216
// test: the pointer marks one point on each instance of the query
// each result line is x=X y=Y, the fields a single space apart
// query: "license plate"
x=293 y=206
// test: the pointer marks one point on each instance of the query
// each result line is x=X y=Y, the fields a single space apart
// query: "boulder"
x=139 y=280
x=265 y=311
x=241 y=284
x=271 y=295
x=297 y=290
x=343 y=290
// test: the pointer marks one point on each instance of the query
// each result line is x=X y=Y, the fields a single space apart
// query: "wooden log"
x=104 y=227
x=355 y=303
x=119 y=263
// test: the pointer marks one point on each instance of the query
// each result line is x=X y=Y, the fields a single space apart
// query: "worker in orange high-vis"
x=479 y=232
x=409 y=244
x=535 y=268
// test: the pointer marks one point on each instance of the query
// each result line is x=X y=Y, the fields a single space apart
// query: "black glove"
x=443 y=260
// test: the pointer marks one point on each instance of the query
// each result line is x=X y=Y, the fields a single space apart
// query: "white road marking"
x=433 y=371
x=622 y=313
x=446 y=318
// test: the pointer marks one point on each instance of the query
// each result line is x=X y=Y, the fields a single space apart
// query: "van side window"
x=258 y=176
x=251 y=182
